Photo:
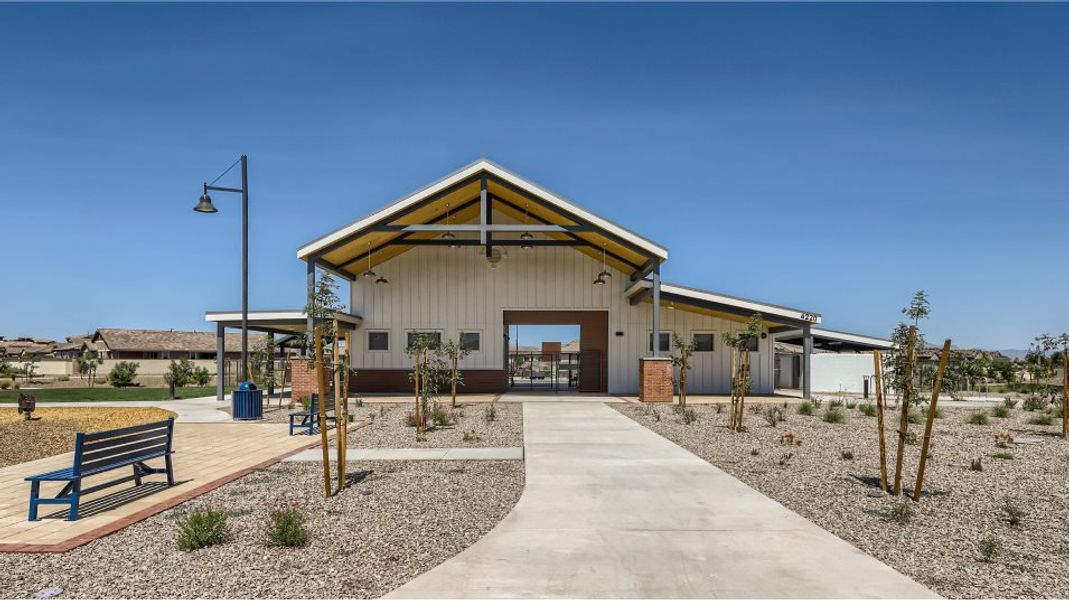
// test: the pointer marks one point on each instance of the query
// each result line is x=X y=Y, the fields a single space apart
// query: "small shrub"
x=1003 y=455
x=833 y=415
x=977 y=464
x=656 y=415
x=490 y=414
x=851 y=404
x=306 y=403
x=990 y=548
x=868 y=409
x=421 y=437
x=719 y=408
x=785 y=459
x=1014 y=514
x=689 y=416
x=754 y=452
x=63 y=378
x=1003 y=440
x=1033 y=403
x=471 y=436
x=123 y=374
x=806 y=408
x=410 y=419
x=285 y=528
x=817 y=402
x=1010 y=403
x=1042 y=419
x=1000 y=412
x=382 y=411
x=914 y=417
x=835 y=404
x=774 y=415
x=978 y=418
x=201 y=376
x=912 y=439
x=202 y=528
x=847 y=455
x=5 y=384
x=441 y=417
x=900 y=513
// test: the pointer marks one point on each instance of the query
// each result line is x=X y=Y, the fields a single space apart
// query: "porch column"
x=220 y=360
x=655 y=342
x=270 y=369
x=311 y=290
x=807 y=351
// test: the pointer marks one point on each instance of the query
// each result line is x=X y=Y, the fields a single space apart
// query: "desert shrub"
x=63 y=378
x=202 y=528
x=912 y=439
x=123 y=374
x=1056 y=411
x=179 y=373
x=833 y=415
x=816 y=401
x=847 y=455
x=410 y=419
x=1013 y=513
x=719 y=408
x=201 y=376
x=441 y=417
x=851 y=404
x=1000 y=412
x=306 y=403
x=688 y=416
x=868 y=409
x=285 y=527
x=900 y=513
x=977 y=464
x=490 y=414
x=1042 y=419
x=785 y=459
x=836 y=403
x=5 y=384
x=656 y=415
x=914 y=417
x=989 y=549
x=1003 y=455
x=978 y=418
x=1003 y=440
x=774 y=415
x=806 y=408
x=1010 y=403
x=1033 y=403
x=754 y=452
x=471 y=436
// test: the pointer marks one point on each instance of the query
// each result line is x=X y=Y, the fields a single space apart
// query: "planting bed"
x=396 y=520
x=52 y=429
x=386 y=427
x=963 y=514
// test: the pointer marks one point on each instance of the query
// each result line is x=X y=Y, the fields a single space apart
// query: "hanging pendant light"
x=526 y=237
x=382 y=279
x=369 y=273
x=449 y=235
x=604 y=272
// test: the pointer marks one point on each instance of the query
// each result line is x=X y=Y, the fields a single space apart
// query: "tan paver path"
x=207 y=455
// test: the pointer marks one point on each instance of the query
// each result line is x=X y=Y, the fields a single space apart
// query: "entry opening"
x=544 y=357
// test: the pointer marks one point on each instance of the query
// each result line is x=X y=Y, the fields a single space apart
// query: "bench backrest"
x=314 y=406
x=102 y=450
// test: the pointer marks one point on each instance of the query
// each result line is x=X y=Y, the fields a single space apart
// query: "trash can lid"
x=246 y=385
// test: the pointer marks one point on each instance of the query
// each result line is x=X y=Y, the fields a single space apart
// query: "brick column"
x=656 y=379
x=303 y=378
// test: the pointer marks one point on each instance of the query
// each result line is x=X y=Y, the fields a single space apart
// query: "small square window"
x=469 y=340
x=434 y=338
x=703 y=342
x=665 y=342
x=378 y=341
x=752 y=344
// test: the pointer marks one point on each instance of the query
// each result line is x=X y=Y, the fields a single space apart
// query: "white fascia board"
x=271 y=315
x=743 y=303
x=468 y=171
x=842 y=336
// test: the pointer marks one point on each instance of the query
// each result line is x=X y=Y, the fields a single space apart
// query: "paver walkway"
x=414 y=454
x=611 y=509
x=206 y=456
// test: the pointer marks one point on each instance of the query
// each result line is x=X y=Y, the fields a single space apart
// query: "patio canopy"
x=293 y=322
x=463 y=204
x=834 y=341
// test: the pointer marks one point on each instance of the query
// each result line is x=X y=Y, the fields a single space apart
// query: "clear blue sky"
x=831 y=157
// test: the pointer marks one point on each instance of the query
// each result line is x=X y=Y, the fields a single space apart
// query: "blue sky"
x=832 y=157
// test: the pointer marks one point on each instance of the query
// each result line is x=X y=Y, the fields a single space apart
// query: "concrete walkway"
x=191 y=410
x=611 y=509
x=415 y=454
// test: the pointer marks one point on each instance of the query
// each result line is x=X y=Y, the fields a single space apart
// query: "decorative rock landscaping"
x=387 y=427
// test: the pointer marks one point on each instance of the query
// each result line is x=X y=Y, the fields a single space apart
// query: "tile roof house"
x=164 y=344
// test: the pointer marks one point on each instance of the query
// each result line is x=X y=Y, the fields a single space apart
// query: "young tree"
x=903 y=358
x=454 y=352
x=322 y=303
x=684 y=348
x=262 y=359
x=740 y=344
x=1059 y=344
x=178 y=374
x=29 y=366
x=428 y=374
x=123 y=374
x=87 y=364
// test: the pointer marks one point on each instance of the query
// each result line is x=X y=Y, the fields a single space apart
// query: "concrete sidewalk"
x=191 y=410
x=611 y=509
x=414 y=454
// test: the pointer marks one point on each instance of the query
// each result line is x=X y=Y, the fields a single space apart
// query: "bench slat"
x=100 y=435
x=127 y=439
x=119 y=459
x=106 y=452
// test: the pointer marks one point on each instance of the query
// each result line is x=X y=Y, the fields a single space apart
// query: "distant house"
x=72 y=348
x=25 y=347
x=147 y=344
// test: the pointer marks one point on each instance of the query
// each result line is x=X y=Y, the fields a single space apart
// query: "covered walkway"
x=611 y=509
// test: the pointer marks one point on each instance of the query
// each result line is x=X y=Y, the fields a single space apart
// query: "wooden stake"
x=321 y=385
x=1065 y=392
x=879 y=418
x=454 y=382
x=744 y=383
x=418 y=358
x=734 y=389
x=931 y=417
x=903 y=423
x=339 y=408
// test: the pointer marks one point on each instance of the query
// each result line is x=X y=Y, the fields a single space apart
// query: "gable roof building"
x=162 y=344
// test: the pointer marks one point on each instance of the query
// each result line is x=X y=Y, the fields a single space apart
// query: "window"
x=703 y=341
x=470 y=340
x=378 y=341
x=752 y=345
x=665 y=342
x=434 y=338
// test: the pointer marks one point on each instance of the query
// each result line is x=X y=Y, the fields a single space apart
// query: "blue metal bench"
x=103 y=451
x=310 y=418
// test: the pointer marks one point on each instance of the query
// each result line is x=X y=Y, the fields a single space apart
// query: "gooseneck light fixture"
x=526 y=237
x=449 y=235
x=600 y=279
x=369 y=273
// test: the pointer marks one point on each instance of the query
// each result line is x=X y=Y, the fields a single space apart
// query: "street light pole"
x=205 y=206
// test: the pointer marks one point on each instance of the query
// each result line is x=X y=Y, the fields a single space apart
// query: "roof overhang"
x=469 y=194
x=291 y=322
x=834 y=341
x=720 y=305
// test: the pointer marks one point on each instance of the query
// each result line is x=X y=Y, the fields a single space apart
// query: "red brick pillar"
x=304 y=378
x=656 y=379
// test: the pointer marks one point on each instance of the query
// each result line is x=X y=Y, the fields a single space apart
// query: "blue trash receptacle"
x=247 y=402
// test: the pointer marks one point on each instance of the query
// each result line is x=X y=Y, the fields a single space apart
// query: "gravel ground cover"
x=52 y=429
x=832 y=479
x=396 y=521
x=386 y=427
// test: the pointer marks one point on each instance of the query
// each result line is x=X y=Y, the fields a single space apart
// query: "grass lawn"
x=105 y=394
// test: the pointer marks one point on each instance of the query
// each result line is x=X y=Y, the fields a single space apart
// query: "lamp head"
x=205 y=205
